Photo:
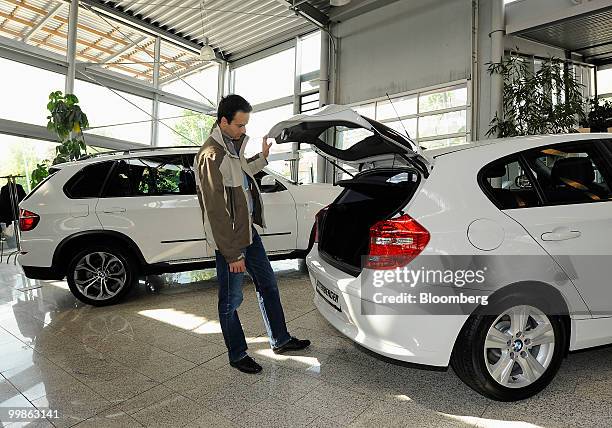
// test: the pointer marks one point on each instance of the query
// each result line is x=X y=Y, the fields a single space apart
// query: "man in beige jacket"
x=231 y=203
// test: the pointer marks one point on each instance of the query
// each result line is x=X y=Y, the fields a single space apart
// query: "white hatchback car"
x=535 y=211
x=104 y=220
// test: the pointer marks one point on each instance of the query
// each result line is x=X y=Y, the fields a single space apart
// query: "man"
x=231 y=203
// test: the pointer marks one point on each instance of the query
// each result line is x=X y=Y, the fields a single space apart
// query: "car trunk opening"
x=371 y=196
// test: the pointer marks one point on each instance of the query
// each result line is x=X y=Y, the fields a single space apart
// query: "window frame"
x=184 y=163
x=70 y=183
x=605 y=170
x=486 y=188
x=520 y=157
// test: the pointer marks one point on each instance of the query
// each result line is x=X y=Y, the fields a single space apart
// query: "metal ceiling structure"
x=120 y=35
x=589 y=35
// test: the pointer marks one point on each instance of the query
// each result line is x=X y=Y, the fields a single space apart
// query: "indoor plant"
x=66 y=120
x=543 y=101
x=599 y=118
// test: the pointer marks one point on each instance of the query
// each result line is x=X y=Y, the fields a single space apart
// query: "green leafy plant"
x=599 y=118
x=193 y=128
x=66 y=120
x=548 y=100
x=40 y=173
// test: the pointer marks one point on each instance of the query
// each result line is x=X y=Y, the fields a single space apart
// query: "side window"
x=151 y=176
x=88 y=182
x=267 y=183
x=507 y=185
x=571 y=173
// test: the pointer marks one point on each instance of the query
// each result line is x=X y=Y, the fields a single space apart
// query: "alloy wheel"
x=519 y=346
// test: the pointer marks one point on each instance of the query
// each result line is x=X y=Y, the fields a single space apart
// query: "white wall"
x=403 y=46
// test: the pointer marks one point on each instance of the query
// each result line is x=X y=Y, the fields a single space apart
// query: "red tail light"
x=318 y=219
x=396 y=242
x=27 y=220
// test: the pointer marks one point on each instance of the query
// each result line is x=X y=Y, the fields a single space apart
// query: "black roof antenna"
x=397 y=114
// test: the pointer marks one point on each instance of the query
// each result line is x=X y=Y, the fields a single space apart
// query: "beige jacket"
x=219 y=182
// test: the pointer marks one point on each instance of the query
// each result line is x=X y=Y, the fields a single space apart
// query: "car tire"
x=101 y=275
x=516 y=368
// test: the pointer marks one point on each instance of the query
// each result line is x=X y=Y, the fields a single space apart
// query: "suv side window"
x=151 y=176
x=156 y=176
x=507 y=185
x=88 y=182
x=570 y=173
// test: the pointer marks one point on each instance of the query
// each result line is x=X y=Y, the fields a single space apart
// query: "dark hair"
x=229 y=105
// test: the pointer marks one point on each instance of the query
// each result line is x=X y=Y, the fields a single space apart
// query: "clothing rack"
x=12 y=184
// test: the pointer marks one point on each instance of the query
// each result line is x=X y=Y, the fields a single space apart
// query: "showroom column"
x=497 y=34
x=323 y=97
x=72 y=45
x=155 y=112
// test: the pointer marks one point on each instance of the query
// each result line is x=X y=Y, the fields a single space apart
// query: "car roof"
x=520 y=143
x=128 y=154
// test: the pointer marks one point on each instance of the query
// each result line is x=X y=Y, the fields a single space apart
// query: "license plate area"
x=331 y=297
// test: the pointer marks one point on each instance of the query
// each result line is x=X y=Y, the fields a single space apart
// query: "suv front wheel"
x=101 y=276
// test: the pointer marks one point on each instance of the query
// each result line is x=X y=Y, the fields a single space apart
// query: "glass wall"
x=201 y=86
x=25 y=91
x=121 y=115
x=267 y=79
x=604 y=83
x=20 y=157
x=182 y=127
x=434 y=118
x=268 y=84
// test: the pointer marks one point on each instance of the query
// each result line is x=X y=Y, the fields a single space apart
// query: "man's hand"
x=265 y=147
x=237 y=267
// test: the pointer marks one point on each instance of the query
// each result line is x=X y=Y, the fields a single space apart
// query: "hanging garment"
x=7 y=213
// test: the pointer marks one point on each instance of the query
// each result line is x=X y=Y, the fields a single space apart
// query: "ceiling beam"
x=40 y=24
x=129 y=47
x=308 y=12
x=117 y=12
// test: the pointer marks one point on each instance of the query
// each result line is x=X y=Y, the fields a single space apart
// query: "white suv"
x=509 y=242
x=104 y=220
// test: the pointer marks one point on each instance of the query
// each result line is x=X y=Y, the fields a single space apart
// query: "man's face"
x=237 y=127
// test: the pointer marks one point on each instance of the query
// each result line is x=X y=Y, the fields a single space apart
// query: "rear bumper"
x=419 y=339
x=37 y=272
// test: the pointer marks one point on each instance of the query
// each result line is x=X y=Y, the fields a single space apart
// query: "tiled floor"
x=159 y=360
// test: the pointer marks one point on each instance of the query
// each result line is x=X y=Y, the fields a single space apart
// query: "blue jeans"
x=230 y=297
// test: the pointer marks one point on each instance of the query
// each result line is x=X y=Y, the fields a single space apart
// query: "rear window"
x=88 y=182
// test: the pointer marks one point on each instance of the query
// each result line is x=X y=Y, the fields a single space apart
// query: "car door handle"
x=560 y=235
x=114 y=210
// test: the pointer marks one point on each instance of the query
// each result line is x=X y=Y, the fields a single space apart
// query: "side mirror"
x=268 y=180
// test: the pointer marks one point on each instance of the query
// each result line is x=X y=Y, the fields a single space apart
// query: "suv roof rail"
x=128 y=151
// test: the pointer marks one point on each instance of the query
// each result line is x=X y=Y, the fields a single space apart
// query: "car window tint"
x=88 y=182
x=508 y=186
x=573 y=173
x=160 y=175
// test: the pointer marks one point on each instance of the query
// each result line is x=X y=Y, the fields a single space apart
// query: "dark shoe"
x=246 y=365
x=294 y=344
